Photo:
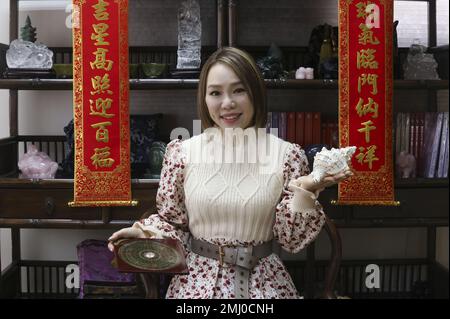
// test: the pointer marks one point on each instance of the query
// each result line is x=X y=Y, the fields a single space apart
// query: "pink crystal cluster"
x=35 y=164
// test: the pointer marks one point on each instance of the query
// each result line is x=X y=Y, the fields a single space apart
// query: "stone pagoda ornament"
x=26 y=58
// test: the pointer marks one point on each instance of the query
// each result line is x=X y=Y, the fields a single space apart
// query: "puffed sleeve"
x=299 y=217
x=171 y=217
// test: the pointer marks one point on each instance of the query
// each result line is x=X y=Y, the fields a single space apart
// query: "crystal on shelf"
x=189 y=35
x=35 y=164
x=24 y=54
x=420 y=65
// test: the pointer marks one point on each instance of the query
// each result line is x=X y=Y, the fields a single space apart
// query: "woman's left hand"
x=307 y=182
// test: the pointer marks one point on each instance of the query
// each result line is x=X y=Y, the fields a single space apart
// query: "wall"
x=40 y=114
x=5 y=234
x=150 y=23
x=4 y=95
x=258 y=20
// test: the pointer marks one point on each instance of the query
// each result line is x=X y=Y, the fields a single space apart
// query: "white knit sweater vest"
x=233 y=201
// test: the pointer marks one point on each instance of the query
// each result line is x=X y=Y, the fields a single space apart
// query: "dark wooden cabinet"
x=44 y=203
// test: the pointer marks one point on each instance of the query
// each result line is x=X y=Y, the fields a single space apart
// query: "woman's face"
x=227 y=99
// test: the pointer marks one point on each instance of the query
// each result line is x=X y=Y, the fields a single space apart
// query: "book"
x=282 y=125
x=434 y=145
x=334 y=134
x=420 y=126
x=443 y=147
x=269 y=122
x=275 y=129
x=445 y=165
x=398 y=135
x=316 y=128
x=402 y=132
x=406 y=134
x=412 y=134
x=300 y=128
x=429 y=120
x=290 y=131
x=308 y=129
x=329 y=133
x=324 y=133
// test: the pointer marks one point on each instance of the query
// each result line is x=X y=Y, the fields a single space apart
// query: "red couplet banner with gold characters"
x=101 y=114
x=365 y=99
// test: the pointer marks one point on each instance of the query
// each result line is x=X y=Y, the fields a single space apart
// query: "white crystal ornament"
x=331 y=162
x=189 y=35
x=29 y=55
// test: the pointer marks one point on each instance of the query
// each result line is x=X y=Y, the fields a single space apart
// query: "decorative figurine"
x=189 y=40
x=35 y=164
x=420 y=65
x=28 y=55
x=329 y=69
x=309 y=73
x=28 y=32
x=144 y=130
x=304 y=73
x=67 y=165
x=300 y=74
x=156 y=156
x=27 y=59
x=406 y=165
x=272 y=65
x=322 y=51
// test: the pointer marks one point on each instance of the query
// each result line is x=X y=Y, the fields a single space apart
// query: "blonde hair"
x=247 y=71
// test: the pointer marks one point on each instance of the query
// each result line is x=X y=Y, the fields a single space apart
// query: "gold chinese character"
x=100 y=60
x=365 y=59
x=101 y=157
x=100 y=107
x=370 y=79
x=102 y=133
x=100 y=10
x=100 y=84
x=361 y=9
x=100 y=33
x=366 y=36
x=370 y=107
x=366 y=129
x=367 y=156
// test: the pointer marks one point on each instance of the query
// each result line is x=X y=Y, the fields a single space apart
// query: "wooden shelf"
x=153 y=183
x=392 y=222
x=416 y=183
x=421 y=84
x=421 y=182
x=302 y=84
x=65 y=183
x=334 y=84
x=67 y=84
x=169 y=84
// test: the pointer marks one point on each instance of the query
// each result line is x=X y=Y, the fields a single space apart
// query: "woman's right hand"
x=129 y=232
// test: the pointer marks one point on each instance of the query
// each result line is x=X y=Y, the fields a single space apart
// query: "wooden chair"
x=335 y=260
x=152 y=282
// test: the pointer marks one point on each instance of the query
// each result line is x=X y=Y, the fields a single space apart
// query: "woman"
x=226 y=211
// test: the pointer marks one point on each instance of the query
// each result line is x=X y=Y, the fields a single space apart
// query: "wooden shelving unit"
x=179 y=84
x=43 y=203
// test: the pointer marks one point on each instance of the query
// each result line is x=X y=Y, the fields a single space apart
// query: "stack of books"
x=303 y=128
x=424 y=135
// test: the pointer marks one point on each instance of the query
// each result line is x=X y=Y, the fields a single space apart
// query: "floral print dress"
x=207 y=279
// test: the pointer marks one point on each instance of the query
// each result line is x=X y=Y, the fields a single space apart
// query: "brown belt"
x=244 y=257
